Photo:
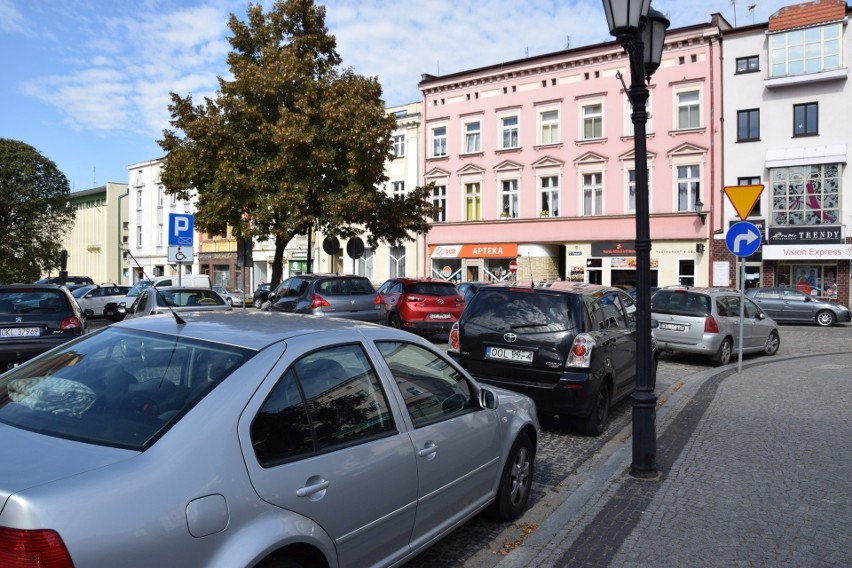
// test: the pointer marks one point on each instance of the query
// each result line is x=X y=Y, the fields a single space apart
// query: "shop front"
x=613 y=263
x=819 y=270
x=486 y=262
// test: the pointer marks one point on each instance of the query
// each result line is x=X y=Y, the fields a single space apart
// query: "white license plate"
x=20 y=332
x=440 y=316
x=509 y=354
x=672 y=326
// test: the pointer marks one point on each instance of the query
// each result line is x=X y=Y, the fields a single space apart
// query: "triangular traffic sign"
x=743 y=198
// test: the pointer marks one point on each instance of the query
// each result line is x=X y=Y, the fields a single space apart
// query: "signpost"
x=513 y=266
x=743 y=240
x=181 y=239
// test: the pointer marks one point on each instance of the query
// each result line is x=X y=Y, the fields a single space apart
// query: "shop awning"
x=485 y=250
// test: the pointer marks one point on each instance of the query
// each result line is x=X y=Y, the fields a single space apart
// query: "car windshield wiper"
x=529 y=325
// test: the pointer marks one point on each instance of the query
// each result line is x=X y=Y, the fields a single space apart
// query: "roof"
x=807 y=14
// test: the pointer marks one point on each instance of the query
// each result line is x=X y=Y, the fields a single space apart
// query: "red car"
x=420 y=305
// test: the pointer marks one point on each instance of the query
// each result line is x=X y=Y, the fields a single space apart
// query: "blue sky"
x=87 y=82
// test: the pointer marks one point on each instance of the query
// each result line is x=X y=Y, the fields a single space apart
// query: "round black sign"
x=355 y=248
x=330 y=245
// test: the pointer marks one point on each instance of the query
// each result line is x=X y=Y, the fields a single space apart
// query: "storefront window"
x=814 y=279
x=806 y=195
x=222 y=275
x=447 y=269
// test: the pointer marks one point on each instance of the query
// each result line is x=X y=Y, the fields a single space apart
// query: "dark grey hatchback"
x=350 y=297
x=569 y=346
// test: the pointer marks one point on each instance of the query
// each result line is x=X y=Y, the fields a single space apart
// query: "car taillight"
x=33 y=549
x=378 y=299
x=70 y=323
x=453 y=340
x=410 y=298
x=459 y=300
x=710 y=325
x=580 y=354
x=318 y=302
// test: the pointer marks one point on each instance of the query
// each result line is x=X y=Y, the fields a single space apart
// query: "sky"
x=87 y=82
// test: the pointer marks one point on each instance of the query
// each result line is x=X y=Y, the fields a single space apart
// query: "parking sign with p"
x=181 y=229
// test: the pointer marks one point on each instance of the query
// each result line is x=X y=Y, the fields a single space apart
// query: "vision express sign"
x=813 y=235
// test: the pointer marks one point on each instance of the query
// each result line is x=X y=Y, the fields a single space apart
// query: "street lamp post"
x=641 y=31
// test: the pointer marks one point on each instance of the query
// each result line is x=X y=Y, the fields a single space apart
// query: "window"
x=439 y=142
x=686 y=272
x=806 y=119
x=396 y=266
x=160 y=235
x=631 y=190
x=432 y=389
x=159 y=195
x=748 y=64
x=629 y=116
x=748 y=125
x=755 y=211
x=439 y=202
x=327 y=399
x=688 y=107
x=364 y=265
x=549 y=121
x=173 y=201
x=139 y=199
x=549 y=196
x=139 y=236
x=472 y=139
x=687 y=187
x=805 y=195
x=592 y=194
x=592 y=121
x=799 y=52
x=399 y=146
x=398 y=189
x=509 y=198
x=472 y=201
x=509 y=131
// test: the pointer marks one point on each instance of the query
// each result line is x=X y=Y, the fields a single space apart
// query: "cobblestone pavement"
x=482 y=543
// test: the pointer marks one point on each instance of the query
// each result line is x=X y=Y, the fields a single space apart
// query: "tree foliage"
x=292 y=142
x=35 y=212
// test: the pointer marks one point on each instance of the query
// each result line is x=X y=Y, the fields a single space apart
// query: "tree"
x=35 y=212
x=293 y=142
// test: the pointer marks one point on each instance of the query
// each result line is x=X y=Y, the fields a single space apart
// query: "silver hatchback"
x=706 y=321
x=247 y=439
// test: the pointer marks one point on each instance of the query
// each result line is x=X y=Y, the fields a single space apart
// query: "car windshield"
x=681 y=303
x=118 y=387
x=345 y=287
x=32 y=301
x=138 y=287
x=432 y=289
x=80 y=292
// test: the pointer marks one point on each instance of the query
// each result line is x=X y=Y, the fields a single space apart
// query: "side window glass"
x=794 y=296
x=629 y=307
x=751 y=310
x=607 y=313
x=432 y=389
x=345 y=405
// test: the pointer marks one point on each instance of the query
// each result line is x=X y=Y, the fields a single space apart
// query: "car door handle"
x=314 y=488
x=429 y=450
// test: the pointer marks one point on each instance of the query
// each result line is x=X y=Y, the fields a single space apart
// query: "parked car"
x=35 y=318
x=350 y=297
x=261 y=293
x=252 y=439
x=93 y=299
x=468 y=289
x=117 y=310
x=234 y=296
x=420 y=305
x=171 y=299
x=570 y=346
x=791 y=305
x=68 y=281
x=706 y=321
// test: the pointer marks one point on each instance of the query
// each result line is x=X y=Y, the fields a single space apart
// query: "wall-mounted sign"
x=811 y=235
x=614 y=248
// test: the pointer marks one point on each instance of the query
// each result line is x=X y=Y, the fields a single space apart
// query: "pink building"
x=533 y=164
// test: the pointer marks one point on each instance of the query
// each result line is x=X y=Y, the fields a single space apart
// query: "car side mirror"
x=487 y=399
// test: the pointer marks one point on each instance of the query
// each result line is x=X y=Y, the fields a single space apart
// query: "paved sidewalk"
x=755 y=471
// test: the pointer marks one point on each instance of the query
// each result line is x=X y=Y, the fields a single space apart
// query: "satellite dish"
x=355 y=248
x=330 y=245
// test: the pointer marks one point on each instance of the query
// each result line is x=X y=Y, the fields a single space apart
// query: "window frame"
x=806 y=129
x=693 y=189
x=781 y=64
x=398 y=145
x=472 y=200
x=512 y=193
x=513 y=131
x=472 y=136
x=552 y=127
x=747 y=68
x=439 y=199
x=592 y=205
x=688 y=107
x=548 y=194
x=748 y=115
x=594 y=120
x=439 y=141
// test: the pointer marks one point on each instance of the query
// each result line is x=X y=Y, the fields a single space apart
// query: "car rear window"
x=502 y=309
x=118 y=387
x=32 y=302
x=681 y=303
x=345 y=287
x=432 y=289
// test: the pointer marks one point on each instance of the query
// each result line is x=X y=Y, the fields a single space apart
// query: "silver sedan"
x=240 y=439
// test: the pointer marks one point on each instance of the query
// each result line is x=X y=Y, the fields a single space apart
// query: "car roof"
x=558 y=285
x=7 y=287
x=250 y=329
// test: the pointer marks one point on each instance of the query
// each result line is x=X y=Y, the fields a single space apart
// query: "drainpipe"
x=714 y=202
x=120 y=248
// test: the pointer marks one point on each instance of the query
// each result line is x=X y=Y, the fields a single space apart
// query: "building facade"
x=787 y=105
x=96 y=241
x=534 y=168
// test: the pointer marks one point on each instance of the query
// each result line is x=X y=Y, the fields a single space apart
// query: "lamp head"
x=624 y=17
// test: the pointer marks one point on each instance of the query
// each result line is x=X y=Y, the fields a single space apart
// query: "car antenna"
x=532 y=277
x=178 y=319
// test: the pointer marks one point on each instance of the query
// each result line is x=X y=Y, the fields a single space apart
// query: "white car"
x=93 y=299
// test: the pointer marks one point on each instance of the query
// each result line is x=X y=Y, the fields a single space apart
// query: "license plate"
x=509 y=354
x=20 y=332
x=440 y=316
x=672 y=326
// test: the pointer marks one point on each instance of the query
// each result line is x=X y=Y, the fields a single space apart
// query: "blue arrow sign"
x=181 y=229
x=743 y=239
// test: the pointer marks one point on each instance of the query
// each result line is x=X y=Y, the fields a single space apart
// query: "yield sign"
x=743 y=198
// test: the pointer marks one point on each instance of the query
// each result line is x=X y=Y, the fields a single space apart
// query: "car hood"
x=31 y=459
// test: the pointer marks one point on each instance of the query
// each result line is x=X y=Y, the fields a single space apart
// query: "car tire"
x=723 y=355
x=595 y=423
x=394 y=321
x=513 y=492
x=773 y=344
x=281 y=563
x=825 y=318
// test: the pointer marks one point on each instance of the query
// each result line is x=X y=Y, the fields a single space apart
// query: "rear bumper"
x=428 y=325
x=14 y=353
